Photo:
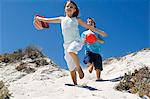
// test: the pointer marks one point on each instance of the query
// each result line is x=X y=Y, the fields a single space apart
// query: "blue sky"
x=125 y=21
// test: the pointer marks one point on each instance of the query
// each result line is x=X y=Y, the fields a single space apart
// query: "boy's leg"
x=77 y=63
x=98 y=65
x=74 y=77
x=88 y=60
x=98 y=74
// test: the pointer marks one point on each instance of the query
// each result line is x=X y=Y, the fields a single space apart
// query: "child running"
x=92 y=52
x=70 y=31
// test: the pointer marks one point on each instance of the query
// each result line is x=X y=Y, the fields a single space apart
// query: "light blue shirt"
x=95 y=47
x=70 y=29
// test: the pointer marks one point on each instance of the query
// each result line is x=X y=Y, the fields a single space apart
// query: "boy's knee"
x=98 y=70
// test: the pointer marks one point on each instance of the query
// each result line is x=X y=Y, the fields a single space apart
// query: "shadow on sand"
x=111 y=80
x=84 y=86
x=92 y=88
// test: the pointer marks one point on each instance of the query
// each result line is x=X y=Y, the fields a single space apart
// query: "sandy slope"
x=31 y=88
x=46 y=84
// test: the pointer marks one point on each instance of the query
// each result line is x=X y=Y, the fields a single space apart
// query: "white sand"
x=51 y=85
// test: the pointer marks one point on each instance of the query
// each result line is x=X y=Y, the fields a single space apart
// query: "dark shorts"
x=94 y=58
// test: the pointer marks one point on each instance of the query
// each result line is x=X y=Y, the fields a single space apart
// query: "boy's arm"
x=48 y=20
x=91 y=28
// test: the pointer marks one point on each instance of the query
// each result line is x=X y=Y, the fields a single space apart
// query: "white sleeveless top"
x=70 y=29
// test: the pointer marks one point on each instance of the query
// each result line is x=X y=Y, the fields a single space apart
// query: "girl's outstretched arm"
x=48 y=20
x=100 y=41
x=91 y=28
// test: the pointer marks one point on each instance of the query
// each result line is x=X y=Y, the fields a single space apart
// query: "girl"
x=70 y=31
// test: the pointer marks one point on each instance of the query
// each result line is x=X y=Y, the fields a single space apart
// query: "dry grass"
x=136 y=83
x=4 y=92
x=31 y=52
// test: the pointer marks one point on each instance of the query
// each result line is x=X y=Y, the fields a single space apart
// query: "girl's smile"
x=69 y=9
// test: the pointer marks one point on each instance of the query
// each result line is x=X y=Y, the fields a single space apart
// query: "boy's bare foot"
x=80 y=72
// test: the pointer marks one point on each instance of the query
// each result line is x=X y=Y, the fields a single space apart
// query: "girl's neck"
x=70 y=16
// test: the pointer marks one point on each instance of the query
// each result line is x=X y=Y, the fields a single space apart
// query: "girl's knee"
x=72 y=53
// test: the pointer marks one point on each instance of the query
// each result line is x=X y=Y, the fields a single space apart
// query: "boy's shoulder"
x=87 y=32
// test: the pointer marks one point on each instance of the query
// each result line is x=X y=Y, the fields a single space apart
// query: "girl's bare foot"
x=80 y=72
x=99 y=79
x=73 y=76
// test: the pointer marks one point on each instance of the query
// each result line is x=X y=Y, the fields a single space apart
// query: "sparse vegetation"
x=24 y=67
x=4 y=92
x=31 y=52
x=137 y=82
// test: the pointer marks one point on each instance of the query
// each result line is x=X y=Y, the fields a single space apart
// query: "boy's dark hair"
x=76 y=13
x=92 y=21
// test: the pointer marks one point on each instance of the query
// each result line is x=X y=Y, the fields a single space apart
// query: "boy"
x=92 y=53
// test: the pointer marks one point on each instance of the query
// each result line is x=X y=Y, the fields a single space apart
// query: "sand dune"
x=48 y=82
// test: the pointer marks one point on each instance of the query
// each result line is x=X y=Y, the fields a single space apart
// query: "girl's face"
x=70 y=9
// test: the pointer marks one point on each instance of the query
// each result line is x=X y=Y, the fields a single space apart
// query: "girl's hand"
x=100 y=41
x=37 y=24
x=103 y=33
x=38 y=18
x=91 y=28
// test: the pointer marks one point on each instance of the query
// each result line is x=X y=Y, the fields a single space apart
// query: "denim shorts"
x=94 y=58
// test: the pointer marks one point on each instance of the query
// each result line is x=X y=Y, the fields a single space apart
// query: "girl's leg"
x=98 y=74
x=74 y=77
x=71 y=65
x=77 y=63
